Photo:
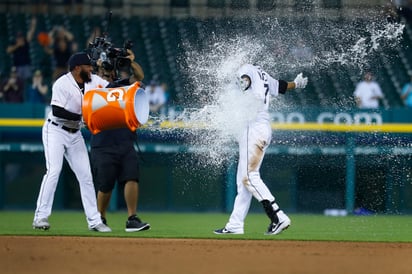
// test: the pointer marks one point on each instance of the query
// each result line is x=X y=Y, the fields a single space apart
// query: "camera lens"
x=103 y=56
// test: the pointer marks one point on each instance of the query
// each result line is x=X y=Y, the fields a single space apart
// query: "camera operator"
x=113 y=156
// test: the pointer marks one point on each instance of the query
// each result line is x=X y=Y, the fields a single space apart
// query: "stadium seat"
x=159 y=45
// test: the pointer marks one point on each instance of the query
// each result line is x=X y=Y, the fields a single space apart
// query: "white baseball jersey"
x=262 y=87
x=60 y=142
x=66 y=93
x=253 y=143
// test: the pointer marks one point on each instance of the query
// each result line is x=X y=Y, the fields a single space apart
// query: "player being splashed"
x=253 y=143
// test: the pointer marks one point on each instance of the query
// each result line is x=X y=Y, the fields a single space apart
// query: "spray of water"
x=376 y=39
x=211 y=97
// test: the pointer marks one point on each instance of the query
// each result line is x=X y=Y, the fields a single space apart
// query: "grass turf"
x=376 y=228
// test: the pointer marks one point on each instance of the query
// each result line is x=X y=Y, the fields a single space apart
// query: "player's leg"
x=53 y=143
x=130 y=175
x=243 y=198
x=240 y=209
x=78 y=159
x=259 y=138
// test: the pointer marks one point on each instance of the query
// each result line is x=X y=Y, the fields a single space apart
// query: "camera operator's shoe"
x=42 y=224
x=134 y=224
x=276 y=228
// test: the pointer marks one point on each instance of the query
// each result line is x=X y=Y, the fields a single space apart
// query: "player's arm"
x=285 y=86
x=299 y=82
x=65 y=114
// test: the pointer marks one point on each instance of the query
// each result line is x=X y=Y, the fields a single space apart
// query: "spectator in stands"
x=165 y=87
x=406 y=93
x=39 y=6
x=12 y=88
x=157 y=97
x=74 y=7
x=20 y=51
x=404 y=8
x=368 y=92
x=62 y=46
x=37 y=92
x=391 y=11
x=302 y=52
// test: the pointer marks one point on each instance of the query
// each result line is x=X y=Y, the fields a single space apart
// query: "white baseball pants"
x=59 y=143
x=252 y=146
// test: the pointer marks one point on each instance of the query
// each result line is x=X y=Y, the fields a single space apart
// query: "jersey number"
x=262 y=76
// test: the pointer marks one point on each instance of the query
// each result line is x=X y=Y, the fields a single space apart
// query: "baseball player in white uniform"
x=62 y=138
x=253 y=143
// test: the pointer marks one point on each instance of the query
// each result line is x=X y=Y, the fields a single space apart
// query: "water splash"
x=282 y=48
x=376 y=39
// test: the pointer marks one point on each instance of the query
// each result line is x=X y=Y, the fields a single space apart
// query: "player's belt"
x=68 y=129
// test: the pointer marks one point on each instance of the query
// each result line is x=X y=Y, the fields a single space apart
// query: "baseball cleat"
x=100 y=228
x=226 y=231
x=42 y=224
x=134 y=224
x=283 y=224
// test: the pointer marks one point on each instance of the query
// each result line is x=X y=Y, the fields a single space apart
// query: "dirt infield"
x=137 y=255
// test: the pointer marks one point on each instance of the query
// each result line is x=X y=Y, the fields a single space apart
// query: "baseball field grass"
x=375 y=228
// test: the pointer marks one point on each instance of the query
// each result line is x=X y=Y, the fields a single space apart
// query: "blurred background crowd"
x=38 y=37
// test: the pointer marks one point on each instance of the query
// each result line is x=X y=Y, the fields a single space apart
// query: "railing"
x=341 y=137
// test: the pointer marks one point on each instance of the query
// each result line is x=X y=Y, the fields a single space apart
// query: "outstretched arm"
x=299 y=82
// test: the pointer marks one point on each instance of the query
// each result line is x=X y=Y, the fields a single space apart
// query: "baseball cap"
x=78 y=59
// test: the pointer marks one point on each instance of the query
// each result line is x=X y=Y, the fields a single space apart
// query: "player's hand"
x=300 y=81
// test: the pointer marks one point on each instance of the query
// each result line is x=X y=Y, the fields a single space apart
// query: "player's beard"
x=85 y=76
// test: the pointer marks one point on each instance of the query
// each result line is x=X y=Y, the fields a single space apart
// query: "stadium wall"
x=319 y=159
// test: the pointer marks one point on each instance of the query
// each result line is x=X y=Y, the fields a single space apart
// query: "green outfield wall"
x=319 y=159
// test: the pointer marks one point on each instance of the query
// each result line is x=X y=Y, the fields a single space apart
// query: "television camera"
x=111 y=58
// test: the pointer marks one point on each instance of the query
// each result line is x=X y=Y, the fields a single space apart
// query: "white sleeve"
x=273 y=85
x=100 y=81
x=59 y=95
